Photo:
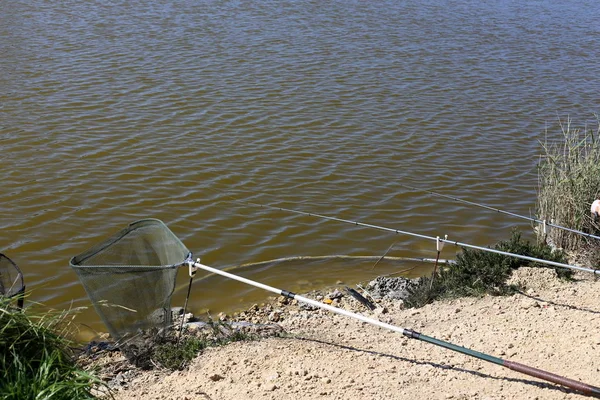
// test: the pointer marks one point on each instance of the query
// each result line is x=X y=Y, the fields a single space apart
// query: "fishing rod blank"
x=537 y=373
x=459 y=244
x=543 y=222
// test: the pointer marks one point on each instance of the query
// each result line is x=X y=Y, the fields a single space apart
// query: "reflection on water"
x=116 y=111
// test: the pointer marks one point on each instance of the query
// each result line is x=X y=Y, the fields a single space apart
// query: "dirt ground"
x=553 y=325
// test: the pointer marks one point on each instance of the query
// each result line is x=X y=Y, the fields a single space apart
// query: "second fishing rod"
x=436 y=239
x=543 y=223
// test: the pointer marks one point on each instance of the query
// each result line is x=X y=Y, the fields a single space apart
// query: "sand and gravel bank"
x=553 y=325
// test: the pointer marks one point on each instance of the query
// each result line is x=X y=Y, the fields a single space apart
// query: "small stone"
x=215 y=377
x=528 y=303
x=326 y=380
x=380 y=310
x=271 y=376
x=176 y=310
x=195 y=326
x=270 y=388
x=189 y=317
x=275 y=316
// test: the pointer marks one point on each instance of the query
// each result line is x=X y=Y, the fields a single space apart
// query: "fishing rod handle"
x=549 y=376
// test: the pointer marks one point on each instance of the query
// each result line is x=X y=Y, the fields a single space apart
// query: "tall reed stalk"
x=568 y=182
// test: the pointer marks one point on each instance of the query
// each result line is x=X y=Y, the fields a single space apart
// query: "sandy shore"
x=554 y=325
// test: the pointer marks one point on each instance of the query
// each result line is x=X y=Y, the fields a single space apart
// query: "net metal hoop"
x=130 y=277
x=12 y=282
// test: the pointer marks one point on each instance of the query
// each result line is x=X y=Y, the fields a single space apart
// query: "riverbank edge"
x=544 y=295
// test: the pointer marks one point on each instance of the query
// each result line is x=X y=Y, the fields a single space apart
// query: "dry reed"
x=568 y=182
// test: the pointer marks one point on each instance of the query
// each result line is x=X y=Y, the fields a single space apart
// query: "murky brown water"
x=115 y=111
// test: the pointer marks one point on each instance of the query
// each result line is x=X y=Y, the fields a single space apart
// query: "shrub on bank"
x=478 y=272
x=176 y=355
x=36 y=361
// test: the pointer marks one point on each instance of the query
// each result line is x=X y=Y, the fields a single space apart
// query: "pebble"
x=271 y=376
x=380 y=310
x=528 y=303
x=215 y=377
x=275 y=316
x=189 y=317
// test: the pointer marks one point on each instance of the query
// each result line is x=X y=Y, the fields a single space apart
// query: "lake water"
x=116 y=111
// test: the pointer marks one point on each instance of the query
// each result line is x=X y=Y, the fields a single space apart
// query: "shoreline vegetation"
x=37 y=358
x=283 y=349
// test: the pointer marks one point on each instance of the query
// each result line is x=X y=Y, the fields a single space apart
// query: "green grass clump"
x=478 y=272
x=36 y=361
x=177 y=355
x=569 y=181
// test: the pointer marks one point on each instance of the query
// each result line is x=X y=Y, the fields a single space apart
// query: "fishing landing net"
x=130 y=278
x=11 y=279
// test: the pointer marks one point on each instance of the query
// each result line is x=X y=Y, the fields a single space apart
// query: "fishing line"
x=385 y=254
x=398 y=231
x=236 y=268
x=544 y=223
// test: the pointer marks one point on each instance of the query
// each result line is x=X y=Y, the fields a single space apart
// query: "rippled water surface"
x=115 y=111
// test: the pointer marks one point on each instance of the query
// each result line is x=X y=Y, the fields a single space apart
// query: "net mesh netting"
x=130 y=277
x=11 y=278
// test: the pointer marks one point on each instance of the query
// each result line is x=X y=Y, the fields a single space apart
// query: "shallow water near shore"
x=114 y=112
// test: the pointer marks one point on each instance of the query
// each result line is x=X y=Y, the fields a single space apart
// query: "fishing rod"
x=515 y=366
x=544 y=223
x=436 y=239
